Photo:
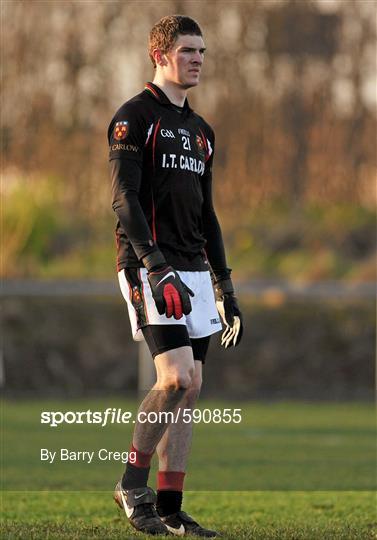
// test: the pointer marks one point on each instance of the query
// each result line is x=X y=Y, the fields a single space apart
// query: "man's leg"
x=173 y=450
x=175 y=369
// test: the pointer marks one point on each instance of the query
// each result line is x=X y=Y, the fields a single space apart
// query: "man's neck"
x=175 y=93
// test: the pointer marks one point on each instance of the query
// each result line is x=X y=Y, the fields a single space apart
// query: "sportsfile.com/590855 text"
x=117 y=416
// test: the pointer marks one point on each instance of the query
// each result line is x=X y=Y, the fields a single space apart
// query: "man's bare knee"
x=175 y=369
x=176 y=381
x=193 y=391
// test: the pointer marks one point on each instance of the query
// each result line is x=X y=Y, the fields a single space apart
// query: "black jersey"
x=161 y=166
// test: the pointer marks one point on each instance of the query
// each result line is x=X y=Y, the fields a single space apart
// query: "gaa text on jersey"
x=167 y=133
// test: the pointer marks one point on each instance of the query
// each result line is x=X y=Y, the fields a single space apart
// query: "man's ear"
x=159 y=57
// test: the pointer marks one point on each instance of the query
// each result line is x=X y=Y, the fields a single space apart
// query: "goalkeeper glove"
x=230 y=313
x=170 y=294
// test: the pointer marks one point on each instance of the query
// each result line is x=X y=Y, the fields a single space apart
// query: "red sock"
x=137 y=469
x=142 y=460
x=170 y=480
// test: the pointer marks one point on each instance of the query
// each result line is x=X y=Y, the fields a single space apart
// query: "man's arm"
x=172 y=297
x=212 y=232
x=224 y=291
x=126 y=180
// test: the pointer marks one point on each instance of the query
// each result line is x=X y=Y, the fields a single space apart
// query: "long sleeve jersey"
x=161 y=160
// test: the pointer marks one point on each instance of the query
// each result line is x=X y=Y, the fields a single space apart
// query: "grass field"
x=238 y=515
x=287 y=471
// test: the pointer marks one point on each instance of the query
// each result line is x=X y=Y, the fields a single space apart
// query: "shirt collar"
x=160 y=96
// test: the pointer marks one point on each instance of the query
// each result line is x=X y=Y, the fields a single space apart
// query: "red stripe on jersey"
x=205 y=145
x=154 y=167
x=205 y=254
x=151 y=90
x=153 y=220
x=154 y=142
x=143 y=295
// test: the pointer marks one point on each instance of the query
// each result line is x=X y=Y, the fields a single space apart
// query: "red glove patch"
x=173 y=301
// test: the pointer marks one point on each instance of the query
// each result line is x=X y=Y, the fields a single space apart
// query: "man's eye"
x=193 y=51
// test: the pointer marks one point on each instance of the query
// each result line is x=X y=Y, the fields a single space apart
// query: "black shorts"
x=161 y=338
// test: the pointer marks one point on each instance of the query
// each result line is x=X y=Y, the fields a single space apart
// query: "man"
x=161 y=155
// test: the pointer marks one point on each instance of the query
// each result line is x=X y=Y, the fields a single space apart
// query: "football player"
x=168 y=243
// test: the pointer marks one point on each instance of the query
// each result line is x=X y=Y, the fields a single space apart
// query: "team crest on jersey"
x=121 y=130
x=200 y=145
x=136 y=296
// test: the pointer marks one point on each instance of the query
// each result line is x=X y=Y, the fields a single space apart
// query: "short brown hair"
x=166 y=31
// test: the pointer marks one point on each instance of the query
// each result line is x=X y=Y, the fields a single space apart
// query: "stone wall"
x=75 y=346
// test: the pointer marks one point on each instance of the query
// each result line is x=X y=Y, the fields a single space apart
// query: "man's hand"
x=170 y=294
x=230 y=313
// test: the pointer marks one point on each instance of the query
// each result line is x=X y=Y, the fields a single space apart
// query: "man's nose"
x=198 y=58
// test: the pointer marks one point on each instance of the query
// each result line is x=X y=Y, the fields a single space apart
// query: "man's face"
x=185 y=60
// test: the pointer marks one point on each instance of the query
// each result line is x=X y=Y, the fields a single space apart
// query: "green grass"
x=287 y=471
x=237 y=515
